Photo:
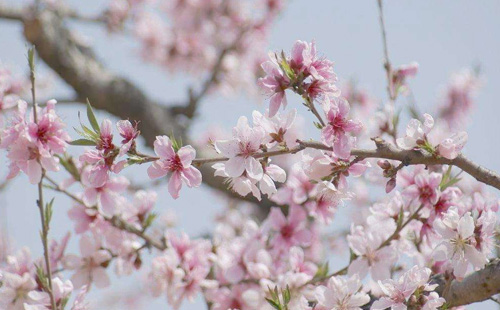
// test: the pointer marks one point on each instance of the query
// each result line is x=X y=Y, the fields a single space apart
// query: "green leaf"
x=148 y=221
x=42 y=278
x=82 y=142
x=31 y=58
x=92 y=118
x=49 y=212
x=286 y=295
x=274 y=304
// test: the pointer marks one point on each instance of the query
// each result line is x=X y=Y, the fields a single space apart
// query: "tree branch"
x=478 y=286
x=78 y=66
x=387 y=63
x=114 y=220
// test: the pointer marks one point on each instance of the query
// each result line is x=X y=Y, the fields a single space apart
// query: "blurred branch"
x=114 y=220
x=11 y=13
x=478 y=286
x=19 y=14
x=79 y=67
x=387 y=63
x=189 y=110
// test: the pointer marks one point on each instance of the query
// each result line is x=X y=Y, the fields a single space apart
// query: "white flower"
x=458 y=245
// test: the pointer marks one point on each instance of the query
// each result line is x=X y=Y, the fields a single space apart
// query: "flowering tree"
x=428 y=242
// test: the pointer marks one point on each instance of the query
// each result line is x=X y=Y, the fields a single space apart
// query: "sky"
x=442 y=36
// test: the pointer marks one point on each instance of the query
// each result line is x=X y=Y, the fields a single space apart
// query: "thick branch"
x=11 y=13
x=388 y=151
x=79 y=67
x=478 y=286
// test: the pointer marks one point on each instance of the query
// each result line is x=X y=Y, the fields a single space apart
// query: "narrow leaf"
x=92 y=118
x=82 y=142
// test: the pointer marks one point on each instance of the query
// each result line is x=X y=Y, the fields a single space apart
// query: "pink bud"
x=391 y=184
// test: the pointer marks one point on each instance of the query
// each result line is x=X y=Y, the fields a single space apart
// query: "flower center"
x=174 y=163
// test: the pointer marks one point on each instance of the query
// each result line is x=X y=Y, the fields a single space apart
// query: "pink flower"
x=317 y=70
x=178 y=164
x=318 y=165
x=83 y=216
x=14 y=290
x=416 y=133
x=342 y=293
x=31 y=145
x=165 y=276
x=450 y=148
x=299 y=264
x=89 y=267
x=274 y=84
x=433 y=301
x=365 y=244
x=129 y=133
x=241 y=297
x=426 y=188
x=458 y=243
x=242 y=185
x=48 y=133
x=105 y=141
x=144 y=202
x=328 y=197
x=106 y=197
x=400 y=75
x=271 y=174
x=297 y=189
x=458 y=99
x=279 y=128
x=41 y=300
x=240 y=150
x=290 y=230
x=337 y=127
x=101 y=165
x=397 y=293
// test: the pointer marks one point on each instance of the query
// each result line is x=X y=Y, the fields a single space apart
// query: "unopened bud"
x=391 y=184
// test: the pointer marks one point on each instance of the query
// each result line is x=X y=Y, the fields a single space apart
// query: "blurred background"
x=442 y=36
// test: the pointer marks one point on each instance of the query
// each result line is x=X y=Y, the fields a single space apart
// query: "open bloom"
x=416 y=133
x=41 y=300
x=450 y=147
x=417 y=137
x=178 y=164
x=89 y=267
x=14 y=290
x=290 y=230
x=459 y=243
x=426 y=188
x=106 y=197
x=365 y=244
x=338 y=126
x=240 y=150
x=400 y=75
x=342 y=293
x=129 y=133
x=274 y=84
x=397 y=293
x=279 y=128
x=32 y=145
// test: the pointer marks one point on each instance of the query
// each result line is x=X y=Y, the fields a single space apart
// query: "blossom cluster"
x=430 y=225
x=33 y=144
x=198 y=36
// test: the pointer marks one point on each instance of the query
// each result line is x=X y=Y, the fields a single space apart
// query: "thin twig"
x=114 y=220
x=387 y=63
x=40 y=201
x=384 y=150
